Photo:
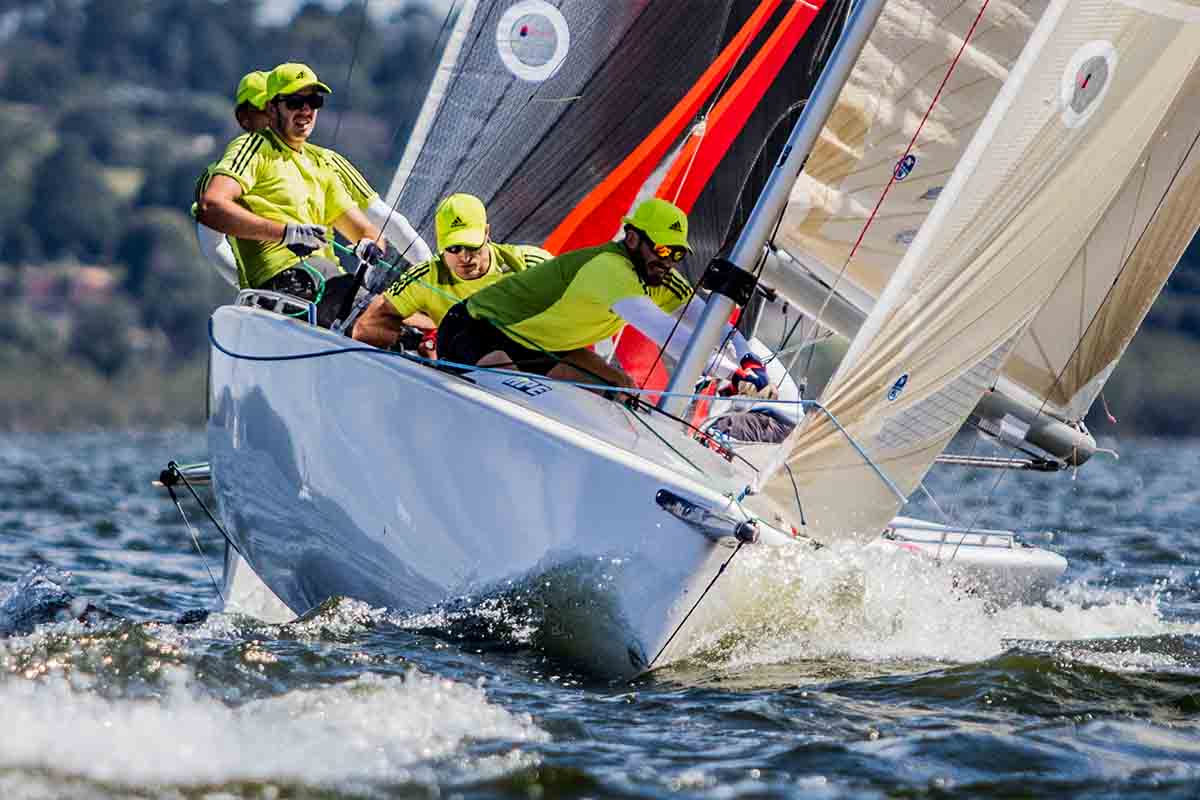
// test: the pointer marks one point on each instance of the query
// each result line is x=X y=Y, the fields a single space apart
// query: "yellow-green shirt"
x=565 y=303
x=283 y=185
x=432 y=288
x=356 y=185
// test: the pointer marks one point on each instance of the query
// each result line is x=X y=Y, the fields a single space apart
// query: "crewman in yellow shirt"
x=467 y=261
x=277 y=195
x=250 y=100
x=546 y=319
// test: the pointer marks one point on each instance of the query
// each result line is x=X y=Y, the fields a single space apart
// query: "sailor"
x=545 y=319
x=277 y=195
x=250 y=100
x=467 y=261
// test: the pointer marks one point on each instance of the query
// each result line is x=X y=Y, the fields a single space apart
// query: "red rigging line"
x=594 y=220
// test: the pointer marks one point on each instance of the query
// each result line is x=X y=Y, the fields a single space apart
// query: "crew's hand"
x=428 y=346
x=368 y=250
x=303 y=239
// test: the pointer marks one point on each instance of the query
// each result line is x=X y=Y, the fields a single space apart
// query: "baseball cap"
x=252 y=89
x=460 y=219
x=661 y=220
x=290 y=77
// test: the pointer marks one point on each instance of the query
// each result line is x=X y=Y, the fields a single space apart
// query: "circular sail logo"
x=1085 y=81
x=897 y=387
x=533 y=39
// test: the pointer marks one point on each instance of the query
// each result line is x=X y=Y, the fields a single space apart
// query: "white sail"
x=914 y=54
x=1077 y=113
x=1075 y=342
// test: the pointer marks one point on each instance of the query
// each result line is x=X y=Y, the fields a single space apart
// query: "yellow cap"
x=290 y=78
x=460 y=219
x=252 y=89
x=661 y=220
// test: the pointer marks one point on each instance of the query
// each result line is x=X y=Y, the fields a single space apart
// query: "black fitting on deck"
x=727 y=278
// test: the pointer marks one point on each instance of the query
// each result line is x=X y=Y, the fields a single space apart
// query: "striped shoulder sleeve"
x=241 y=159
x=410 y=276
x=355 y=184
x=405 y=293
x=534 y=255
x=678 y=285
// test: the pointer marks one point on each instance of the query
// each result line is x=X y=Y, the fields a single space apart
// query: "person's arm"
x=643 y=314
x=381 y=325
x=690 y=315
x=218 y=209
x=399 y=232
x=354 y=225
x=215 y=248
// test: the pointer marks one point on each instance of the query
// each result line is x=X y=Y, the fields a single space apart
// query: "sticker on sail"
x=1085 y=81
x=932 y=193
x=897 y=387
x=906 y=237
x=904 y=166
x=533 y=39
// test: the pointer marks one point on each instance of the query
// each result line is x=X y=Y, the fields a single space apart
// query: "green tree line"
x=110 y=109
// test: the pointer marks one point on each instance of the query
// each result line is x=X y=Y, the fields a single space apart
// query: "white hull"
x=364 y=474
x=988 y=562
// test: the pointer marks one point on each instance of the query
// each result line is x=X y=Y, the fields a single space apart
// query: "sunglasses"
x=666 y=251
x=459 y=249
x=295 y=102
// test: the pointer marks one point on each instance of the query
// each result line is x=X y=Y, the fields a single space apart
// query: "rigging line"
x=196 y=541
x=892 y=180
x=1058 y=378
x=679 y=627
x=437 y=44
x=702 y=124
x=362 y=23
x=178 y=472
x=442 y=364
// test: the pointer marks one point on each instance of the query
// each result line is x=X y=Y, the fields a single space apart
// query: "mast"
x=735 y=274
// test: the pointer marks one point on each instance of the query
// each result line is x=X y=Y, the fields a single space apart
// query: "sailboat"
x=1052 y=153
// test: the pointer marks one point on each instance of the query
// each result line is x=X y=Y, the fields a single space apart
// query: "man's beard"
x=639 y=266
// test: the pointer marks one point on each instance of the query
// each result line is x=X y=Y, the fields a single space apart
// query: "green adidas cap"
x=460 y=219
x=252 y=89
x=290 y=78
x=661 y=220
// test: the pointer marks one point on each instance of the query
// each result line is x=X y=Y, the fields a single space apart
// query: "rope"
x=907 y=151
x=682 y=622
x=196 y=541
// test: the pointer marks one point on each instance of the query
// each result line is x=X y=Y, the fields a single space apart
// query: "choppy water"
x=844 y=677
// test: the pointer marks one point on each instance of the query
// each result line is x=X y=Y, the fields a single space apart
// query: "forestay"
x=1077 y=114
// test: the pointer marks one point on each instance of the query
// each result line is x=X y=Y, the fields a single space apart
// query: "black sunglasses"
x=456 y=249
x=295 y=102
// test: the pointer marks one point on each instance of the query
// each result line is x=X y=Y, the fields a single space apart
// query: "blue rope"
x=804 y=404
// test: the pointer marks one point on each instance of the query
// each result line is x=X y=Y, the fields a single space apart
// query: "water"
x=844 y=676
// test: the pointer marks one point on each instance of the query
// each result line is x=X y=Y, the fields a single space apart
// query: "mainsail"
x=1078 y=112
